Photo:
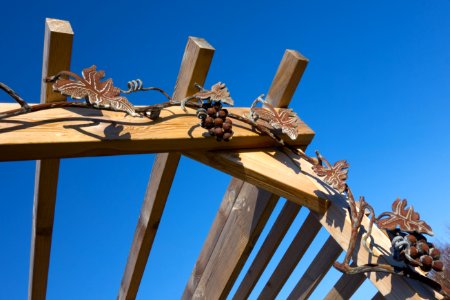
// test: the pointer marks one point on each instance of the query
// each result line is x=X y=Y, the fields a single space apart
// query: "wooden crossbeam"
x=345 y=287
x=272 y=241
x=318 y=268
x=335 y=219
x=260 y=205
x=291 y=257
x=57 y=52
x=194 y=68
x=78 y=132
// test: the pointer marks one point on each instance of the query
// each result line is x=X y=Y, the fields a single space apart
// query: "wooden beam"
x=346 y=286
x=335 y=218
x=317 y=270
x=336 y=221
x=291 y=257
x=277 y=232
x=78 y=132
x=194 y=68
x=267 y=169
x=57 y=52
x=280 y=94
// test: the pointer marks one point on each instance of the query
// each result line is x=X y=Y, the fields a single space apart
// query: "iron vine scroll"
x=410 y=247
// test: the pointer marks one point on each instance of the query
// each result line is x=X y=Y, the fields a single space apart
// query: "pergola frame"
x=261 y=172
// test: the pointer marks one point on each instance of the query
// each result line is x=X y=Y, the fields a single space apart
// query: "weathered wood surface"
x=57 y=52
x=272 y=241
x=335 y=219
x=318 y=268
x=194 y=67
x=76 y=132
x=268 y=169
x=236 y=238
x=294 y=253
x=346 y=286
x=280 y=94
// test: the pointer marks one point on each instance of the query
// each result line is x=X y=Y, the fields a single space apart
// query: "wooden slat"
x=80 y=132
x=345 y=287
x=316 y=270
x=291 y=257
x=277 y=232
x=194 y=68
x=226 y=206
x=335 y=219
x=237 y=238
x=57 y=52
x=280 y=94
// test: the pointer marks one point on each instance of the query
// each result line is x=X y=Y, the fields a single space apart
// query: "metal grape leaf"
x=98 y=93
x=406 y=219
x=285 y=119
x=218 y=92
x=335 y=175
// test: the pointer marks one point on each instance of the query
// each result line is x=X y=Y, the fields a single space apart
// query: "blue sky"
x=376 y=92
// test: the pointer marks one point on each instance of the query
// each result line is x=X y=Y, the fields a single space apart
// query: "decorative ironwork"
x=285 y=119
x=411 y=248
x=335 y=175
x=101 y=94
x=406 y=219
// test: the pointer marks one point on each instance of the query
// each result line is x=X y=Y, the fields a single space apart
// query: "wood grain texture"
x=345 y=287
x=194 y=68
x=57 y=53
x=286 y=79
x=237 y=237
x=78 y=132
x=280 y=94
x=318 y=268
x=214 y=234
x=294 y=253
x=272 y=241
x=336 y=221
x=268 y=169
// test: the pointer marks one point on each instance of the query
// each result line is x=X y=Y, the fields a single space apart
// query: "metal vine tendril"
x=404 y=225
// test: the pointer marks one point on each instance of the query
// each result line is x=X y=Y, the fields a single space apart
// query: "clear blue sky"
x=376 y=92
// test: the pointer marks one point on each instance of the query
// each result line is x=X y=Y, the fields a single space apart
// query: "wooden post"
x=194 y=68
x=57 y=52
x=219 y=275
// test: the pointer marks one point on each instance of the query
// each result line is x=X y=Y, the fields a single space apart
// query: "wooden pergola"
x=262 y=174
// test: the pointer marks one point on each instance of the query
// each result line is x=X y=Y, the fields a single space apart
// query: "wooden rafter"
x=260 y=205
x=279 y=229
x=318 y=268
x=291 y=257
x=194 y=68
x=57 y=54
x=337 y=222
x=346 y=286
